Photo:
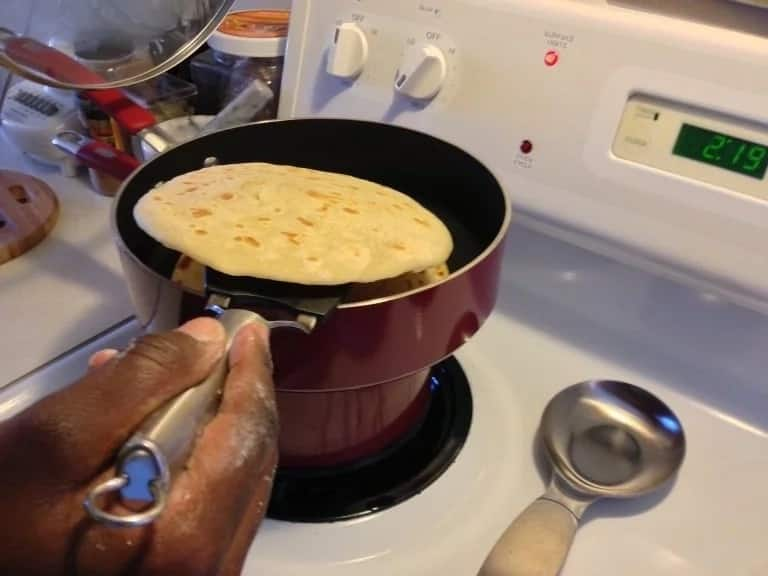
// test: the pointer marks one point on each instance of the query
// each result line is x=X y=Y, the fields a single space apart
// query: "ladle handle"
x=535 y=544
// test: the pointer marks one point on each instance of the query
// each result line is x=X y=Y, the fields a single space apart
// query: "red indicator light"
x=551 y=58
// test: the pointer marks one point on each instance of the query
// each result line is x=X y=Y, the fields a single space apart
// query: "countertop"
x=69 y=288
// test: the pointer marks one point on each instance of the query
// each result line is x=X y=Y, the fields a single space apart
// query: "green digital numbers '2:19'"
x=723 y=151
x=756 y=156
x=739 y=154
x=711 y=150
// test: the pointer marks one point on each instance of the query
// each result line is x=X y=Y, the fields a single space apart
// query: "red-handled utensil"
x=62 y=67
x=96 y=154
x=32 y=54
x=130 y=116
x=169 y=31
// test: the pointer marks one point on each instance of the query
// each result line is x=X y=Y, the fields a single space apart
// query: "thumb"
x=88 y=421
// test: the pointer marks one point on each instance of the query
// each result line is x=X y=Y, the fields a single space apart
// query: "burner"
x=402 y=471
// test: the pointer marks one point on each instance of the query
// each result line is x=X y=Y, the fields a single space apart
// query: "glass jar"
x=248 y=45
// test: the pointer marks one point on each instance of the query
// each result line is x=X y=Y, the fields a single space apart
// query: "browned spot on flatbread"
x=291 y=237
x=201 y=232
x=316 y=194
x=397 y=206
x=351 y=210
x=313 y=258
x=396 y=246
x=200 y=212
x=305 y=221
x=239 y=226
x=422 y=222
x=324 y=208
x=264 y=219
x=227 y=196
x=252 y=241
x=238 y=238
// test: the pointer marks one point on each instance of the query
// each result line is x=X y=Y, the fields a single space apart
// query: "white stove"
x=627 y=265
x=566 y=315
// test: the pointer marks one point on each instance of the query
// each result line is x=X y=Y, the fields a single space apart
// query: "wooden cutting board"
x=28 y=211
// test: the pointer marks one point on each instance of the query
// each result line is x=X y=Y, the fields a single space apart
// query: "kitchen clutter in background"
x=248 y=45
x=32 y=114
x=235 y=80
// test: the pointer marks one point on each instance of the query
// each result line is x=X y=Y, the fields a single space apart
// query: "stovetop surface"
x=563 y=315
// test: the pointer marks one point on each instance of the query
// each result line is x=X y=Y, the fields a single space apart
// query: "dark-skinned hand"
x=55 y=451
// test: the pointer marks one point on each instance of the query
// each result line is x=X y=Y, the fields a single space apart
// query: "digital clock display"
x=722 y=150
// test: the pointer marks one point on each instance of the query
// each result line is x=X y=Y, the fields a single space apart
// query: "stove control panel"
x=422 y=71
x=699 y=144
x=348 y=52
x=394 y=61
x=552 y=96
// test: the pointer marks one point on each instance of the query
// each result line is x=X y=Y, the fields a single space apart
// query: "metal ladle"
x=603 y=439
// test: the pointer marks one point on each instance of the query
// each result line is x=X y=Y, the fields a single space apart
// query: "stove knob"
x=422 y=72
x=349 y=51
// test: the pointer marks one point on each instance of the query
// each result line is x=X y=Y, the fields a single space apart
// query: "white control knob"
x=422 y=72
x=349 y=51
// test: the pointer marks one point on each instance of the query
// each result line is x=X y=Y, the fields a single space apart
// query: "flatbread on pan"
x=190 y=275
x=392 y=286
x=293 y=224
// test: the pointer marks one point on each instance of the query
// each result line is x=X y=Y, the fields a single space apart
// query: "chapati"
x=293 y=224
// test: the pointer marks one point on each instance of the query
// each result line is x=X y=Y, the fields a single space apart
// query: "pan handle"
x=149 y=459
x=96 y=154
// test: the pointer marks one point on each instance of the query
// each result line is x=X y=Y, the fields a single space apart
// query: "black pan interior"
x=442 y=177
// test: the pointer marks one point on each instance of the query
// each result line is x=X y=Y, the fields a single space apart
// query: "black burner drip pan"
x=361 y=488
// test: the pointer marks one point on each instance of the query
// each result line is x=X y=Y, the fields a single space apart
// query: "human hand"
x=52 y=454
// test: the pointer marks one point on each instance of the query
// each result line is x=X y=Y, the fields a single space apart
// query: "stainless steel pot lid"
x=87 y=44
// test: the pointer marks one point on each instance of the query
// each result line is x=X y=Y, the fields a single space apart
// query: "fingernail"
x=101 y=357
x=246 y=337
x=203 y=330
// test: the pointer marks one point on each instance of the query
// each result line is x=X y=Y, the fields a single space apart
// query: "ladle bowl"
x=603 y=438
